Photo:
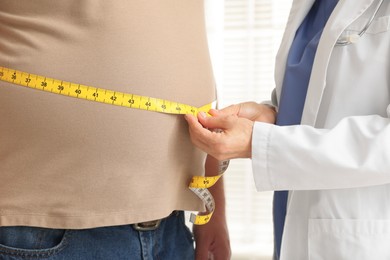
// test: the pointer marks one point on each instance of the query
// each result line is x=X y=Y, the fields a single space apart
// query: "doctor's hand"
x=250 y=110
x=233 y=140
x=235 y=124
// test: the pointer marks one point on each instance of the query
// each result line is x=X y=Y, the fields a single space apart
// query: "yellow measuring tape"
x=198 y=185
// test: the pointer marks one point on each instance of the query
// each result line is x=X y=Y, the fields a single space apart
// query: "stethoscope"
x=353 y=38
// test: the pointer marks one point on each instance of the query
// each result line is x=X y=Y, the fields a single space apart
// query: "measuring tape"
x=97 y=94
x=198 y=185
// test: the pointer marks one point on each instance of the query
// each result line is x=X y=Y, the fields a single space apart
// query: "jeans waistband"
x=153 y=224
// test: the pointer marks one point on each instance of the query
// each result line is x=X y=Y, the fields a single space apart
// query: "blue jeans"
x=171 y=240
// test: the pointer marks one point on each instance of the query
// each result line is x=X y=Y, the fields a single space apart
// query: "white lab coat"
x=337 y=163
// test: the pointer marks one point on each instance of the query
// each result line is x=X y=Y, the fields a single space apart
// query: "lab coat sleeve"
x=355 y=153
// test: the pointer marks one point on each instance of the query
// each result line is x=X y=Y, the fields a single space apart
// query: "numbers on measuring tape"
x=198 y=185
x=98 y=95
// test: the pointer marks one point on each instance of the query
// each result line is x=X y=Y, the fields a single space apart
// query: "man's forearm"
x=217 y=190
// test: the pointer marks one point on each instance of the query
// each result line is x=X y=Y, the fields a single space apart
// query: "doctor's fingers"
x=217 y=121
x=257 y=112
x=210 y=143
x=229 y=110
x=233 y=141
x=199 y=135
x=249 y=110
x=203 y=138
x=245 y=109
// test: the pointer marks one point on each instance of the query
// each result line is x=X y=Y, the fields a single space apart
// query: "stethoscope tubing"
x=343 y=41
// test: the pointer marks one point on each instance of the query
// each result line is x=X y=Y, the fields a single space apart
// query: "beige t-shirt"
x=71 y=163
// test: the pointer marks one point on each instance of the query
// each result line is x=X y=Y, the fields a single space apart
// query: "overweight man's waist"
x=69 y=195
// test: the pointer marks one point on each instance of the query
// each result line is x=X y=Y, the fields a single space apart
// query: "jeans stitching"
x=38 y=253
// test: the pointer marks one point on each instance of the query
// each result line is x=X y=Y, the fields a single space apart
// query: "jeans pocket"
x=32 y=242
x=185 y=228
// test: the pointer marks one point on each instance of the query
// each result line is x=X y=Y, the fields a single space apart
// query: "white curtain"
x=244 y=36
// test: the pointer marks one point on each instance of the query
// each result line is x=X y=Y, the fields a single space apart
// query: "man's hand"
x=212 y=239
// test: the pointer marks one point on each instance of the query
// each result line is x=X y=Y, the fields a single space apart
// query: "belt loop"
x=147 y=226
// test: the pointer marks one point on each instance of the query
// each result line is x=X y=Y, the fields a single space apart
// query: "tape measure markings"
x=198 y=185
x=97 y=94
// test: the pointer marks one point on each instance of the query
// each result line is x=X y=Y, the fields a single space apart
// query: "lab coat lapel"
x=344 y=14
